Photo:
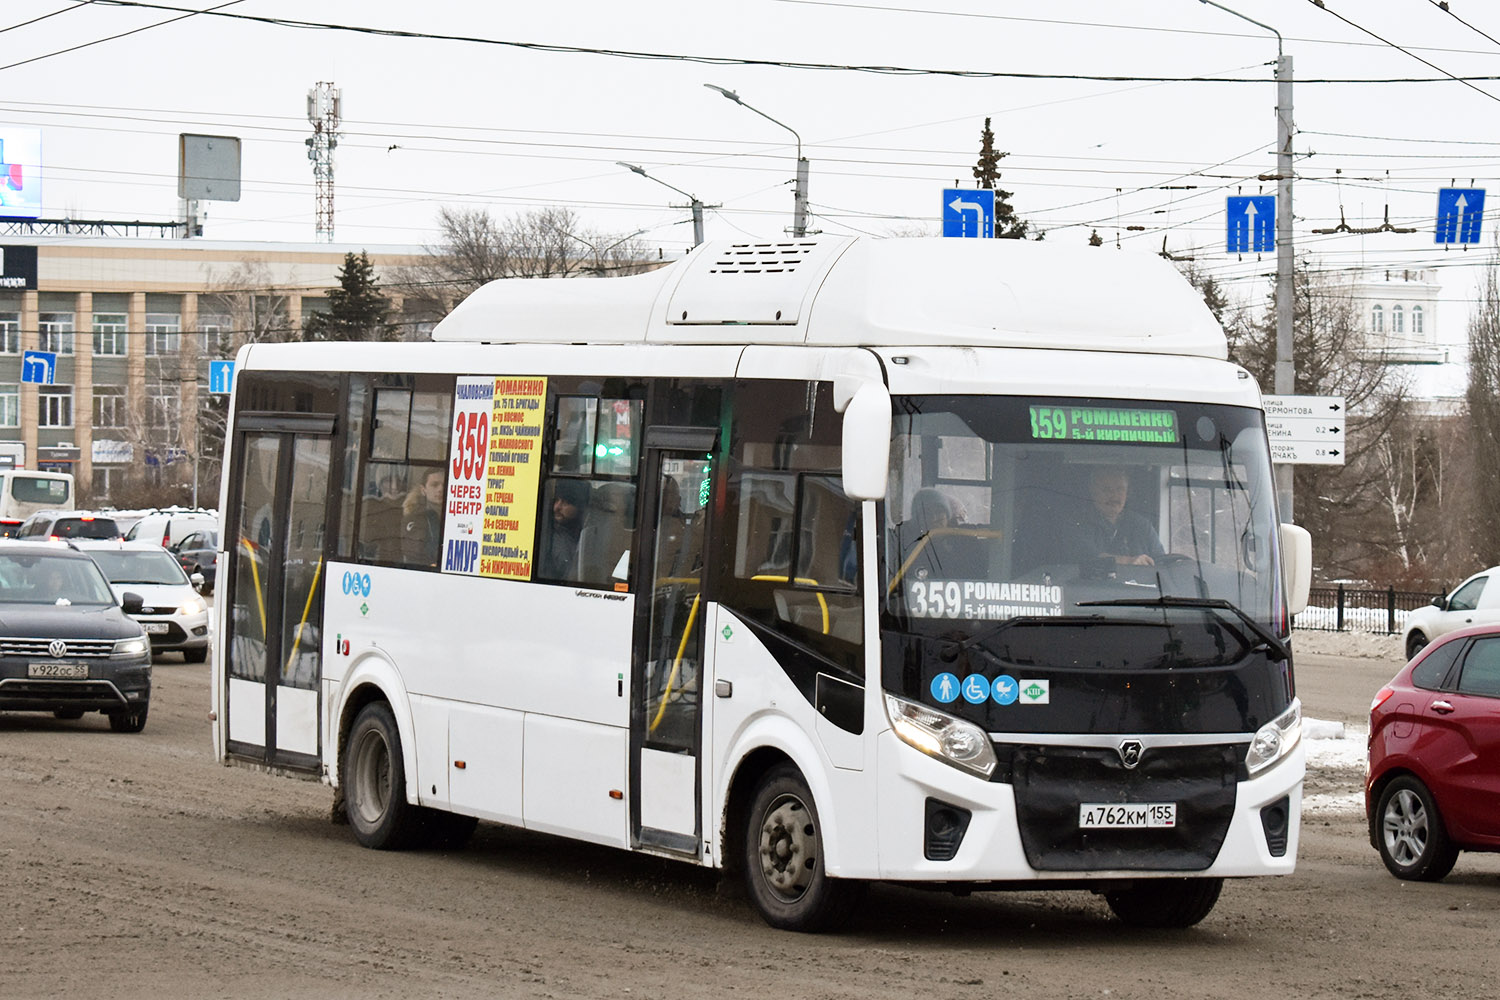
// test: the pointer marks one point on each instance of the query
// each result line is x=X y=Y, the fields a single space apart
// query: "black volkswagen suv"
x=66 y=646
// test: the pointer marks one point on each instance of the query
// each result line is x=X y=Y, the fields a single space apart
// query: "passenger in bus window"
x=422 y=533
x=1107 y=530
x=570 y=502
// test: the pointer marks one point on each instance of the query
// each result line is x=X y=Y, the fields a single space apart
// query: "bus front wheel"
x=1177 y=902
x=783 y=859
x=375 y=783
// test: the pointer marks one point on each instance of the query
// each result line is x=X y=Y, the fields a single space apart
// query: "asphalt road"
x=134 y=866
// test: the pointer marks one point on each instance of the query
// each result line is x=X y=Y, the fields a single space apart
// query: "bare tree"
x=549 y=242
x=1344 y=507
x=1483 y=398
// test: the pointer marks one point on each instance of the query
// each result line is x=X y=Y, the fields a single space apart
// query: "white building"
x=1401 y=316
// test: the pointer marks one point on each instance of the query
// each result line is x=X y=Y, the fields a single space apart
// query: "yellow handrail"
x=676 y=663
x=255 y=576
x=823 y=601
x=306 y=608
x=995 y=533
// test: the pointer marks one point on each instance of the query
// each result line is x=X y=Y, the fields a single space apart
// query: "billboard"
x=20 y=172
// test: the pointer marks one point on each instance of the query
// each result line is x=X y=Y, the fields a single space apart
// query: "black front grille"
x=21 y=694
x=1051 y=782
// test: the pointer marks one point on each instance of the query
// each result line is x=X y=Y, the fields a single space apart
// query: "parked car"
x=1473 y=602
x=67 y=646
x=172 y=614
x=199 y=553
x=1434 y=754
x=168 y=526
x=55 y=525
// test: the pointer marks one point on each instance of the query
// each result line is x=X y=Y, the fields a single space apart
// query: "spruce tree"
x=356 y=309
x=1008 y=225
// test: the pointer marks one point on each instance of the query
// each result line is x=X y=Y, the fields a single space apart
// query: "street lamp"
x=1285 y=379
x=799 y=210
x=693 y=202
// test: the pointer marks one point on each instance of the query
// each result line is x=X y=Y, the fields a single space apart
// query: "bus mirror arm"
x=867 y=440
x=1296 y=566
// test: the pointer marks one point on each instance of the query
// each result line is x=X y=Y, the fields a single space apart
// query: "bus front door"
x=273 y=656
x=667 y=667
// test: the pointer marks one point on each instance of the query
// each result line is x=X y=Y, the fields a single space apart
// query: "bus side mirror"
x=867 y=442
x=1296 y=566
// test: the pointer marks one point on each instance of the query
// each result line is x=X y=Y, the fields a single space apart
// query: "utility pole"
x=324 y=110
x=799 y=194
x=1286 y=371
x=693 y=202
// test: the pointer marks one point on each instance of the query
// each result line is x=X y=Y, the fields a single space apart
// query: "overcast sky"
x=431 y=122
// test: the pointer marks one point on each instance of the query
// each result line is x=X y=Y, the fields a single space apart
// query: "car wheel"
x=1415 y=643
x=375 y=783
x=195 y=655
x=1178 y=902
x=132 y=720
x=67 y=713
x=1412 y=839
x=783 y=859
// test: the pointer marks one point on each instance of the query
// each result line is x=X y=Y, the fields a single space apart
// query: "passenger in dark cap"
x=570 y=501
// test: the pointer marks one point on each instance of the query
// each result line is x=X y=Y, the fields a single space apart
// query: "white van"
x=167 y=526
x=24 y=492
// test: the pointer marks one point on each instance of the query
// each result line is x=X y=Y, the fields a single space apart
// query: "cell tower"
x=324 y=111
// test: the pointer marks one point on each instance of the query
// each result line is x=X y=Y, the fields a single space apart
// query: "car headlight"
x=131 y=647
x=937 y=734
x=193 y=607
x=1275 y=739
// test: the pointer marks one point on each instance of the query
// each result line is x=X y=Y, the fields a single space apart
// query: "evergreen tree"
x=1008 y=225
x=356 y=309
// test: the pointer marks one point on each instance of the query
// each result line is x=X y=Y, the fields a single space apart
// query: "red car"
x=1434 y=779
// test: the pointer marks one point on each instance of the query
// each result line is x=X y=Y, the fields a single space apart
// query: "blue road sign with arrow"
x=1459 y=213
x=220 y=377
x=1252 y=223
x=39 y=367
x=968 y=213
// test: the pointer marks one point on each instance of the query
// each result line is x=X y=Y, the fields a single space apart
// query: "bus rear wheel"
x=783 y=859
x=1176 y=902
x=375 y=783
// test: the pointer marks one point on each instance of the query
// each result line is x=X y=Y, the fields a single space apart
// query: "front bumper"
x=1221 y=833
x=110 y=686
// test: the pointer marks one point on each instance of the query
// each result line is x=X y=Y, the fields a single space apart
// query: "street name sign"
x=1459 y=214
x=1305 y=430
x=1251 y=223
x=969 y=213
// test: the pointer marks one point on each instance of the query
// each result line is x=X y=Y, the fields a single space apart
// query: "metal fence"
x=1355 y=609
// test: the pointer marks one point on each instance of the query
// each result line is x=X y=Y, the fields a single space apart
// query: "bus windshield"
x=1084 y=534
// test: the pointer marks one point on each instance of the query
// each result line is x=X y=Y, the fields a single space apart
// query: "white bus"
x=24 y=492
x=778 y=560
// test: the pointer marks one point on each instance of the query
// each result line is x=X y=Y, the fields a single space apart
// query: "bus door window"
x=673 y=669
x=247 y=659
x=302 y=567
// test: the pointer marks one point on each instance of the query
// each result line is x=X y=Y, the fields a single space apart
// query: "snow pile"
x=1366 y=645
x=1335 y=767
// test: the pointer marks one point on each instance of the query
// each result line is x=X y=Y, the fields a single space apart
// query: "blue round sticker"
x=1006 y=690
x=976 y=689
x=945 y=688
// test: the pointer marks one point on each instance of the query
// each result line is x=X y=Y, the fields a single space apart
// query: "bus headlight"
x=937 y=734
x=1275 y=739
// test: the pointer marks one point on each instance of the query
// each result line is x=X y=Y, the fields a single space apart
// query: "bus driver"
x=1107 y=530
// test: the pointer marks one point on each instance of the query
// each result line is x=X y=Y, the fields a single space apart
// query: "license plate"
x=66 y=671
x=155 y=628
x=1126 y=815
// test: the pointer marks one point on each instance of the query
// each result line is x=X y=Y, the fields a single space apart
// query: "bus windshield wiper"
x=1262 y=633
x=1009 y=623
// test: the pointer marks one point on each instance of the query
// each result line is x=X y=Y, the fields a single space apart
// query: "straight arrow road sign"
x=1251 y=224
x=1459 y=214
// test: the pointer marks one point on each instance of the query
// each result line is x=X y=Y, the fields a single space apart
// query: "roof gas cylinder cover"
x=769 y=283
